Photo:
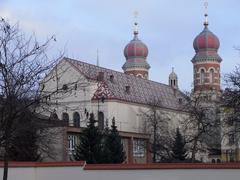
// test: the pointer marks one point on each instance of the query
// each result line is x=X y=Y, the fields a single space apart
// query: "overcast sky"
x=167 y=27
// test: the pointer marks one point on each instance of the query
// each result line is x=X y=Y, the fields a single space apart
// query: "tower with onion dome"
x=136 y=53
x=206 y=62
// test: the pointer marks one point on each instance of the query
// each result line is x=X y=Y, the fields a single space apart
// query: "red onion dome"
x=206 y=40
x=135 y=48
x=206 y=45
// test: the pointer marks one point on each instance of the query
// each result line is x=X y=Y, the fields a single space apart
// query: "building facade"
x=75 y=88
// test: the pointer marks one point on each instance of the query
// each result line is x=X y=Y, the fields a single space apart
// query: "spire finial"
x=97 y=58
x=172 y=69
x=135 y=23
x=206 y=13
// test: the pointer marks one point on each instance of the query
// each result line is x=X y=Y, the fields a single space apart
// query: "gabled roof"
x=113 y=85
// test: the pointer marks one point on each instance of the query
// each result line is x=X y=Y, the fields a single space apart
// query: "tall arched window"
x=202 y=76
x=76 y=119
x=54 y=116
x=100 y=120
x=65 y=117
x=211 y=76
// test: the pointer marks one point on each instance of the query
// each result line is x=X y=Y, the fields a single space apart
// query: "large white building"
x=76 y=88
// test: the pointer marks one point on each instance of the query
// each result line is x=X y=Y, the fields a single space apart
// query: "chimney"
x=100 y=76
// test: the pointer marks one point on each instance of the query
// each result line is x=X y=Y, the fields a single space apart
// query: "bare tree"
x=202 y=126
x=23 y=63
x=157 y=125
x=231 y=105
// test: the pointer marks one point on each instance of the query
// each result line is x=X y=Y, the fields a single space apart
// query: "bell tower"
x=206 y=62
x=173 y=79
x=136 y=53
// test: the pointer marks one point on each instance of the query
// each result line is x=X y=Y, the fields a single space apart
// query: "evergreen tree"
x=179 y=152
x=113 y=146
x=26 y=147
x=105 y=153
x=89 y=148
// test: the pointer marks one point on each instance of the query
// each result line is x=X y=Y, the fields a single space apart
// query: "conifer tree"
x=105 y=153
x=113 y=146
x=89 y=148
x=179 y=152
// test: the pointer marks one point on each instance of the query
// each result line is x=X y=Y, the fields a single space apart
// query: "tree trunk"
x=5 y=171
x=154 y=137
x=194 y=150
x=154 y=146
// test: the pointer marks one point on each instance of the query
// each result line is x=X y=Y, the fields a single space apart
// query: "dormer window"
x=100 y=76
x=127 y=89
x=111 y=78
x=180 y=100
x=65 y=87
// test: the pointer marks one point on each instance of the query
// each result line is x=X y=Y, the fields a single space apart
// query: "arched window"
x=53 y=116
x=202 y=76
x=65 y=117
x=213 y=161
x=100 y=120
x=76 y=119
x=211 y=76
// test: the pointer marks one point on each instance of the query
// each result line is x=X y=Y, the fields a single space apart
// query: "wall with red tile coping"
x=44 y=164
x=126 y=166
x=162 y=166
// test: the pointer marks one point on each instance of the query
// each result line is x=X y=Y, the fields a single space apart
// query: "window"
x=65 y=117
x=231 y=155
x=100 y=120
x=138 y=148
x=202 y=76
x=72 y=142
x=53 y=116
x=76 y=119
x=211 y=76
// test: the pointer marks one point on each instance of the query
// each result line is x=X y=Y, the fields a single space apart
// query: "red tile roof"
x=141 y=90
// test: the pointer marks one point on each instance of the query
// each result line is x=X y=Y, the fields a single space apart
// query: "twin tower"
x=206 y=62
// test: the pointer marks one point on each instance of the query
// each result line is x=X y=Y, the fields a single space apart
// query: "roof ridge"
x=80 y=61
